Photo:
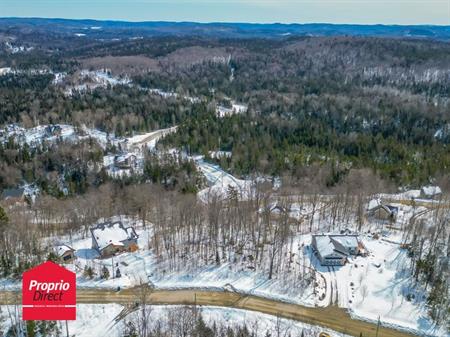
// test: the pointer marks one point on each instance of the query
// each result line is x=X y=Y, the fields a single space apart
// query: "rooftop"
x=13 y=193
x=60 y=250
x=346 y=240
x=114 y=233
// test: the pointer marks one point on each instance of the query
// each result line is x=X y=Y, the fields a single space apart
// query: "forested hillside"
x=340 y=103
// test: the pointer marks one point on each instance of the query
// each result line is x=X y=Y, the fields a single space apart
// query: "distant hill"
x=122 y=29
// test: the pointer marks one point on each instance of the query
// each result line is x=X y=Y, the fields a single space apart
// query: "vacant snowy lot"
x=101 y=320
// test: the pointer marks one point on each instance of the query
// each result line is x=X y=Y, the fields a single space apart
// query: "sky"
x=403 y=12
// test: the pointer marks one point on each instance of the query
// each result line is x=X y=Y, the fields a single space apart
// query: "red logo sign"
x=49 y=293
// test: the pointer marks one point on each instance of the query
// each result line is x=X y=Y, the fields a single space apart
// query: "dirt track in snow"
x=331 y=317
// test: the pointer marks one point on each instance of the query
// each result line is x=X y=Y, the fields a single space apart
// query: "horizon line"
x=226 y=22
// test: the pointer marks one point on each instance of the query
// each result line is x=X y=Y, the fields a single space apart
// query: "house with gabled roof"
x=110 y=238
x=348 y=244
x=326 y=252
x=13 y=196
x=66 y=254
x=125 y=161
x=334 y=249
x=381 y=211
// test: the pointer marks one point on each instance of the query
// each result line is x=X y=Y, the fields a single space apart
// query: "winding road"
x=331 y=317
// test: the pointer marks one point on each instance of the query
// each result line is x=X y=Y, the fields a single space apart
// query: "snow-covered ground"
x=15 y=49
x=128 y=147
x=144 y=266
x=39 y=134
x=171 y=94
x=5 y=71
x=149 y=139
x=51 y=133
x=221 y=182
x=90 y=80
x=235 y=108
x=372 y=287
x=133 y=150
x=104 y=320
x=377 y=287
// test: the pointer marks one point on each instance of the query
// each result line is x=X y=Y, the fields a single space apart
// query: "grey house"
x=13 y=195
x=348 y=244
x=333 y=250
x=382 y=212
x=110 y=238
x=326 y=252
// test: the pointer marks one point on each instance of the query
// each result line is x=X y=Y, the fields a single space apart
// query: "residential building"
x=333 y=250
x=430 y=192
x=382 y=212
x=13 y=196
x=110 y=238
x=66 y=254
x=125 y=161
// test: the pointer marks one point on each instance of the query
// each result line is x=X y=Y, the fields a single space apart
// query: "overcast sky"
x=286 y=11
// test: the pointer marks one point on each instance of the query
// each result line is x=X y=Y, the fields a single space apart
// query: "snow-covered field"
x=101 y=320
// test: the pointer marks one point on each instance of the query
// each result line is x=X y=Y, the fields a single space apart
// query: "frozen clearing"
x=99 y=320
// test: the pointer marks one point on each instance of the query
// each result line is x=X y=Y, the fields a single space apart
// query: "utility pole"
x=378 y=326
x=112 y=262
x=67 y=329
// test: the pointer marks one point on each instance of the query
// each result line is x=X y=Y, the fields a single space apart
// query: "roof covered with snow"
x=324 y=245
x=62 y=249
x=374 y=203
x=348 y=241
x=114 y=233
x=431 y=190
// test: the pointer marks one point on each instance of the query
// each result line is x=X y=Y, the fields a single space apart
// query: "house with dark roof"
x=110 y=238
x=125 y=161
x=13 y=196
x=382 y=212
